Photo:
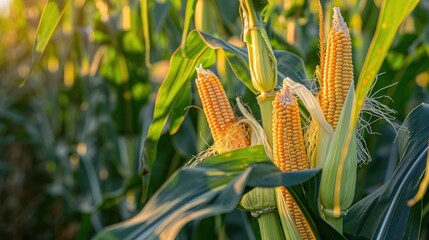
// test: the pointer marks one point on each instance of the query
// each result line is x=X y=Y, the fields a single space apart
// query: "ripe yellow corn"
x=338 y=72
x=228 y=133
x=289 y=150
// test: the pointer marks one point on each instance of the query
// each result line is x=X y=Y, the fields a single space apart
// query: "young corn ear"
x=229 y=133
x=262 y=62
x=338 y=69
x=289 y=150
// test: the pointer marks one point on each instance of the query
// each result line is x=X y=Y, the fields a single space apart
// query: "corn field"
x=214 y=119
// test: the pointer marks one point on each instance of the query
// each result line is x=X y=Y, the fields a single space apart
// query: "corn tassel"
x=289 y=150
x=338 y=74
x=228 y=132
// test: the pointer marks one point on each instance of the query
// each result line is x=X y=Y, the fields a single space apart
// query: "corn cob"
x=228 y=132
x=338 y=74
x=289 y=150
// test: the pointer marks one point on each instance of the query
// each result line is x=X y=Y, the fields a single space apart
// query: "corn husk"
x=337 y=187
x=262 y=62
x=289 y=228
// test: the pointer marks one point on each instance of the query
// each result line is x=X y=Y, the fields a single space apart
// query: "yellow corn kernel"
x=338 y=72
x=289 y=150
x=228 y=132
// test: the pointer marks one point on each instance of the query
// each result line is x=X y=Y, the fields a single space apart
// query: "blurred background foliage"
x=71 y=136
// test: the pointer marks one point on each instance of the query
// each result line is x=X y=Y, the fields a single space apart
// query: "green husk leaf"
x=339 y=174
x=289 y=228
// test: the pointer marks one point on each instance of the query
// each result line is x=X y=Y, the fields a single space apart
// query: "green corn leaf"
x=392 y=14
x=412 y=230
x=384 y=214
x=213 y=187
x=190 y=6
x=145 y=11
x=185 y=140
x=51 y=16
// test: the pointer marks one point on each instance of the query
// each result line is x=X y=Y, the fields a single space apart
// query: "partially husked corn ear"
x=216 y=105
x=338 y=69
x=289 y=150
x=228 y=133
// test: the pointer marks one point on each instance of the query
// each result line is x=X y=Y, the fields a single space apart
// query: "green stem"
x=265 y=101
x=269 y=226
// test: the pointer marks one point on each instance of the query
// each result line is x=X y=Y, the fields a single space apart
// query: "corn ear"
x=289 y=150
x=262 y=62
x=288 y=141
x=228 y=131
x=322 y=130
x=338 y=69
x=337 y=94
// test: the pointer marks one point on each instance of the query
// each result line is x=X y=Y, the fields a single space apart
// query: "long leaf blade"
x=384 y=214
x=213 y=187
x=391 y=16
x=51 y=16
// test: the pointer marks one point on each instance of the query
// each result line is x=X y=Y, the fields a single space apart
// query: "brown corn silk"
x=289 y=150
x=228 y=132
x=338 y=69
